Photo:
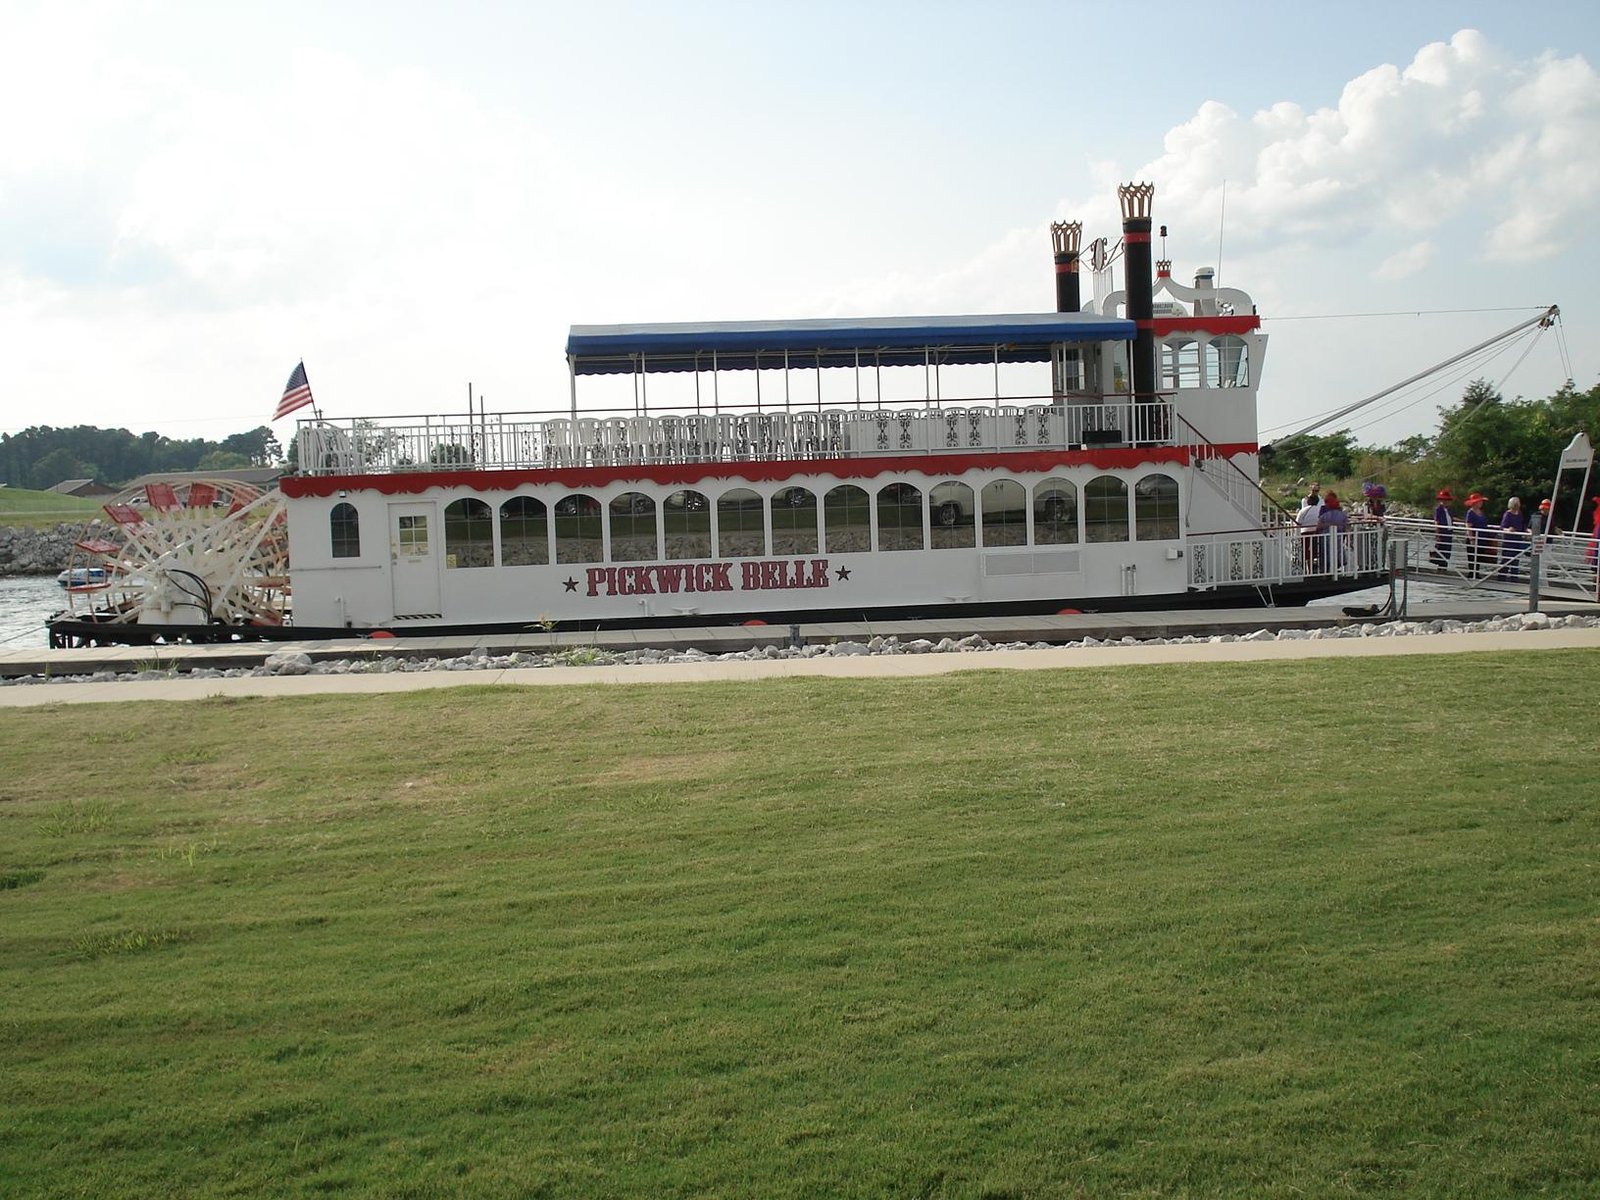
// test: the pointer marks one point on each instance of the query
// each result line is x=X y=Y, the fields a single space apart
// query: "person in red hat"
x=1333 y=523
x=1541 y=525
x=1478 y=550
x=1443 y=530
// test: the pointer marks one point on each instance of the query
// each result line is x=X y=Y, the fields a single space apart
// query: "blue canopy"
x=834 y=342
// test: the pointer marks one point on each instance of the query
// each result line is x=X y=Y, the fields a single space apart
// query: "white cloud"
x=1461 y=130
x=198 y=224
x=1506 y=152
x=1408 y=261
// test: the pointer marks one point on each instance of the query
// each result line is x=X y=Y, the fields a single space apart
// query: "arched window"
x=468 y=534
x=1180 y=364
x=578 y=529
x=1005 y=513
x=899 y=517
x=1055 y=513
x=344 y=528
x=794 y=521
x=633 y=528
x=1155 y=508
x=524 y=533
x=687 y=517
x=740 y=524
x=846 y=519
x=1227 y=362
x=953 y=510
x=1105 y=509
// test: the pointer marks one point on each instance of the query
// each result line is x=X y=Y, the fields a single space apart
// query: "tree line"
x=1486 y=443
x=41 y=457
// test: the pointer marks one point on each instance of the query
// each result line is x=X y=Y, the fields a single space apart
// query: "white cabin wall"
x=332 y=591
x=358 y=592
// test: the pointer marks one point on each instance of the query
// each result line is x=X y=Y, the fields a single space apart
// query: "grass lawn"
x=1300 y=929
x=20 y=507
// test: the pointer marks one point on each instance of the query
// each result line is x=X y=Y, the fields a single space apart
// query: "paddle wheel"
x=185 y=559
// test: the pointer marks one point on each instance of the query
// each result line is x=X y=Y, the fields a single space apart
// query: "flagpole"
x=316 y=412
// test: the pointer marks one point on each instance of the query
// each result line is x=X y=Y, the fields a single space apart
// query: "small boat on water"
x=83 y=577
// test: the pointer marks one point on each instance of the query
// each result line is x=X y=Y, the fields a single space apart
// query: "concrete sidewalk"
x=855 y=667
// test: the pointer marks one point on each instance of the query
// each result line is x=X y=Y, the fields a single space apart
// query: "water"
x=26 y=603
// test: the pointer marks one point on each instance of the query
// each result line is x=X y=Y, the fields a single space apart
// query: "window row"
x=740 y=523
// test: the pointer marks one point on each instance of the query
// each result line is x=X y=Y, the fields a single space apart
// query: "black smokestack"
x=1136 y=198
x=1065 y=237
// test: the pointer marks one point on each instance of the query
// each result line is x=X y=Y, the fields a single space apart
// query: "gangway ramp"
x=1495 y=562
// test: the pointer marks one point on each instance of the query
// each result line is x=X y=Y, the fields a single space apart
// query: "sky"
x=413 y=197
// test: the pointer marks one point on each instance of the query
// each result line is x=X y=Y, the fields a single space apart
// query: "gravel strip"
x=294 y=662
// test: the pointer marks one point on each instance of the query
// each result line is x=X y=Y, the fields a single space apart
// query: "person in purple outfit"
x=1478 y=555
x=1376 y=496
x=1443 y=530
x=1332 y=525
x=1512 y=542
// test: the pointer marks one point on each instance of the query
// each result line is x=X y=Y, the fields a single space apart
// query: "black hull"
x=65 y=632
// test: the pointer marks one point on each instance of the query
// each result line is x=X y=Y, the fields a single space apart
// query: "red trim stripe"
x=685 y=474
x=1207 y=324
x=1134 y=238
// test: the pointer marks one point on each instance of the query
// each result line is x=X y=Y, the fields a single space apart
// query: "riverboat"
x=1100 y=456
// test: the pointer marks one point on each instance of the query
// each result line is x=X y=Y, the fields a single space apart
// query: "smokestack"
x=1066 y=237
x=1136 y=198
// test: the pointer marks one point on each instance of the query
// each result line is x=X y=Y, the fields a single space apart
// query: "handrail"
x=1283 y=516
x=1275 y=556
x=362 y=446
x=1493 y=556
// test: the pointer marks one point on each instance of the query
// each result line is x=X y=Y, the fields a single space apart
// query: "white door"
x=414 y=559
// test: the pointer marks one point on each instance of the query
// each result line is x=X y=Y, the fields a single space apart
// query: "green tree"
x=222 y=460
x=259 y=446
x=1330 y=456
x=57 y=465
x=1510 y=448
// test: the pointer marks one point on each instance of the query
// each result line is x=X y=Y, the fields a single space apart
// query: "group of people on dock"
x=1493 y=551
x=1323 y=521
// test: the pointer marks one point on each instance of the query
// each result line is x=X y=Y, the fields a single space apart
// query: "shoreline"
x=292 y=673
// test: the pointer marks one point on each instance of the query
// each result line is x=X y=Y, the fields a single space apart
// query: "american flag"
x=296 y=393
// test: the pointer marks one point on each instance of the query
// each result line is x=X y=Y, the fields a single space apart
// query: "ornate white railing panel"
x=367 y=446
x=1284 y=555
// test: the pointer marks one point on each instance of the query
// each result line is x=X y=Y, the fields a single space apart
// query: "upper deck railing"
x=363 y=446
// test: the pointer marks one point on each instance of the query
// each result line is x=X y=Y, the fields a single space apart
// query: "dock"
x=1051 y=630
